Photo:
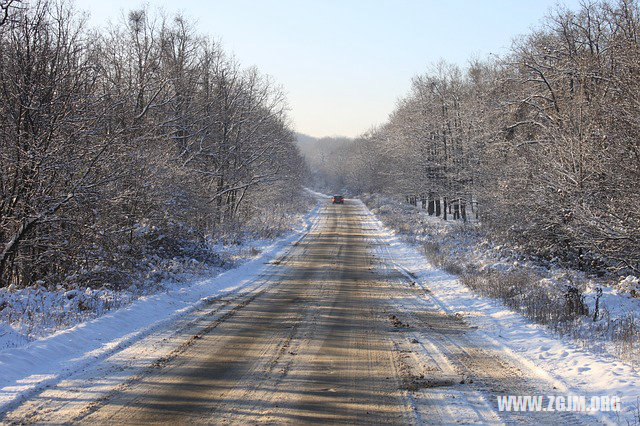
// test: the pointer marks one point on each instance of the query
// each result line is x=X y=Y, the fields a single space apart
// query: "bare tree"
x=5 y=10
x=545 y=140
x=145 y=127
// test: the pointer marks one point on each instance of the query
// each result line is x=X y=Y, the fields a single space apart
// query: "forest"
x=125 y=146
x=146 y=141
x=541 y=145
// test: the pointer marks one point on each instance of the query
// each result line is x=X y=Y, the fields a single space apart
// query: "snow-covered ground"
x=28 y=365
x=572 y=369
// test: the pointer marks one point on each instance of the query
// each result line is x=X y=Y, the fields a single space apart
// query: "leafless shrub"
x=454 y=267
x=432 y=252
x=431 y=249
x=625 y=335
x=521 y=292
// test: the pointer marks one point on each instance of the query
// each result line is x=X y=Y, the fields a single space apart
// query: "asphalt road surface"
x=331 y=336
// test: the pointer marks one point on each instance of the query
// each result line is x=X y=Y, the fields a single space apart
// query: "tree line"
x=541 y=144
x=143 y=138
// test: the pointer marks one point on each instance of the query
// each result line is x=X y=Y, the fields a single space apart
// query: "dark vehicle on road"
x=337 y=199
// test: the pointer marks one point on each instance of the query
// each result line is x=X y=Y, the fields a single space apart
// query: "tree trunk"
x=444 y=208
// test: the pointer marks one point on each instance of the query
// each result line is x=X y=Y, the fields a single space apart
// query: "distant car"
x=337 y=199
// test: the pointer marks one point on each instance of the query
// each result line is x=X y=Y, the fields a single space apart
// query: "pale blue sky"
x=344 y=63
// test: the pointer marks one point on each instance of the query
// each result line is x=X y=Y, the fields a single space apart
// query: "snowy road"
x=333 y=331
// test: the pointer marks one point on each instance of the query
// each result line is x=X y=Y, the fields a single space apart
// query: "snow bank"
x=10 y=338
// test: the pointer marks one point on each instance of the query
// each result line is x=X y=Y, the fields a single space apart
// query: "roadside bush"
x=522 y=292
x=432 y=251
